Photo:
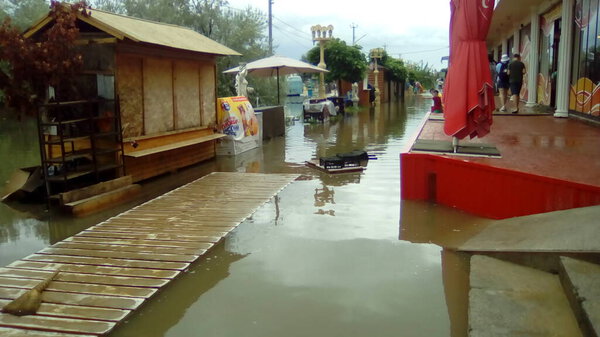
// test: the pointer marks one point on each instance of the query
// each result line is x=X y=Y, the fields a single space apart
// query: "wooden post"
x=173 y=79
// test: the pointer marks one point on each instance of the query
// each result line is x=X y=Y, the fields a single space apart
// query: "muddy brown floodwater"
x=327 y=257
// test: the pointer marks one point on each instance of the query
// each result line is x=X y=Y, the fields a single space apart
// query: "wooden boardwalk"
x=110 y=269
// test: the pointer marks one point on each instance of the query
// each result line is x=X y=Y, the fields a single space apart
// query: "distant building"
x=559 y=42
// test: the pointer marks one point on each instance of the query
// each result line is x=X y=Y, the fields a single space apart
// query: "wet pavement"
x=324 y=258
x=562 y=148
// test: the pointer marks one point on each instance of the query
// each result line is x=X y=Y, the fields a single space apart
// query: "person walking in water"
x=503 y=80
x=516 y=71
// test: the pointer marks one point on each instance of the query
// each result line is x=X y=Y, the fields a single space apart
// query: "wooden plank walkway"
x=110 y=269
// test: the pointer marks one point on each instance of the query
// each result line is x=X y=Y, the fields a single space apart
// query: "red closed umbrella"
x=469 y=91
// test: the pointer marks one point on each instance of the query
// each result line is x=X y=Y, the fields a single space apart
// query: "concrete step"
x=574 y=230
x=506 y=299
x=581 y=280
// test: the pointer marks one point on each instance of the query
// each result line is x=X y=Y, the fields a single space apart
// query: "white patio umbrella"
x=276 y=66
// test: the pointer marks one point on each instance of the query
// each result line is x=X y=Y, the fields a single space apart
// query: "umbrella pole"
x=278 y=86
x=455 y=144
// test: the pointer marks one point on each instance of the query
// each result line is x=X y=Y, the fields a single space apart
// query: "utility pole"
x=271 y=27
x=353 y=26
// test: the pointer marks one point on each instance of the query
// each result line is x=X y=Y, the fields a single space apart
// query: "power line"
x=297 y=40
x=291 y=26
x=289 y=34
x=298 y=33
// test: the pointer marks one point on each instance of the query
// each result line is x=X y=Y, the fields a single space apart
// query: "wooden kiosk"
x=162 y=79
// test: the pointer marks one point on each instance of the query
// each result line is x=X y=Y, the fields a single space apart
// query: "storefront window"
x=548 y=54
x=585 y=92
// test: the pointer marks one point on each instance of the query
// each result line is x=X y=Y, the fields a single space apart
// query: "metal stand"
x=455 y=144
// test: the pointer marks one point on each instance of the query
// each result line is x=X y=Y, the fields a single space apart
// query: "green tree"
x=240 y=30
x=423 y=73
x=47 y=59
x=243 y=31
x=175 y=12
x=344 y=62
x=23 y=13
x=113 y=6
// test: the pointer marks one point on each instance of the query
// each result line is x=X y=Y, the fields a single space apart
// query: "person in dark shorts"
x=502 y=80
x=516 y=71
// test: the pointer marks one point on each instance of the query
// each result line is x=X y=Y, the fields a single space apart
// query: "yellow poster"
x=236 y=118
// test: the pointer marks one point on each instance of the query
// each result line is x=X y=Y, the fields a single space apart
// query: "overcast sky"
x=415 y=29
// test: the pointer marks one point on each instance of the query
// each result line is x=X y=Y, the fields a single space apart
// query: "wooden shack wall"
x=159 y=94
x=131 y=94
x=186 y=91
x=208 y=93
x=166 y=97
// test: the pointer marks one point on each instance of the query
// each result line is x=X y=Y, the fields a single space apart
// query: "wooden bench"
x=173 y=146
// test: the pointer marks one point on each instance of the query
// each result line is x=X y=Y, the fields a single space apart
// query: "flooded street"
x=327 y=257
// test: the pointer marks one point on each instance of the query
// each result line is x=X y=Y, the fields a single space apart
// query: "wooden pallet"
x=110 y=269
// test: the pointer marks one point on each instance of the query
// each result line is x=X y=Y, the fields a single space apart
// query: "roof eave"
x=39 y=24
x=44 y=21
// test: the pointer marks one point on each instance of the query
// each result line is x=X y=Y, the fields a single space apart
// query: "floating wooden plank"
x=110 y=269
x=96 y=261
x=56 y=324
x=89 y=300
x=173 y=223
x=153 y=243
x=161 y=237
x=118 y=254
x=198 y=230
x=96 y=270
x=17 y=332
x=90 y=191
x=103 y=201
x=82 y=288
x=163 y=227
x=140 y=249
x=78 y=311
x=83 y=278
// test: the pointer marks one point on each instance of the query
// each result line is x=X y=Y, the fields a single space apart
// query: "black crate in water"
x=354 y=158
x=331 y=162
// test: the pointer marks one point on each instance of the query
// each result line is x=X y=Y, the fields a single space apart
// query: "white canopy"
x=277 y=65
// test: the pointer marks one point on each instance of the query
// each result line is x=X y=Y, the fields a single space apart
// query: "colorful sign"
x=236 y=118
x=585 y=97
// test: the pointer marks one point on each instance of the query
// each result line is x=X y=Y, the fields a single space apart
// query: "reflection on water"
x=322 y=258
x=423 y=222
